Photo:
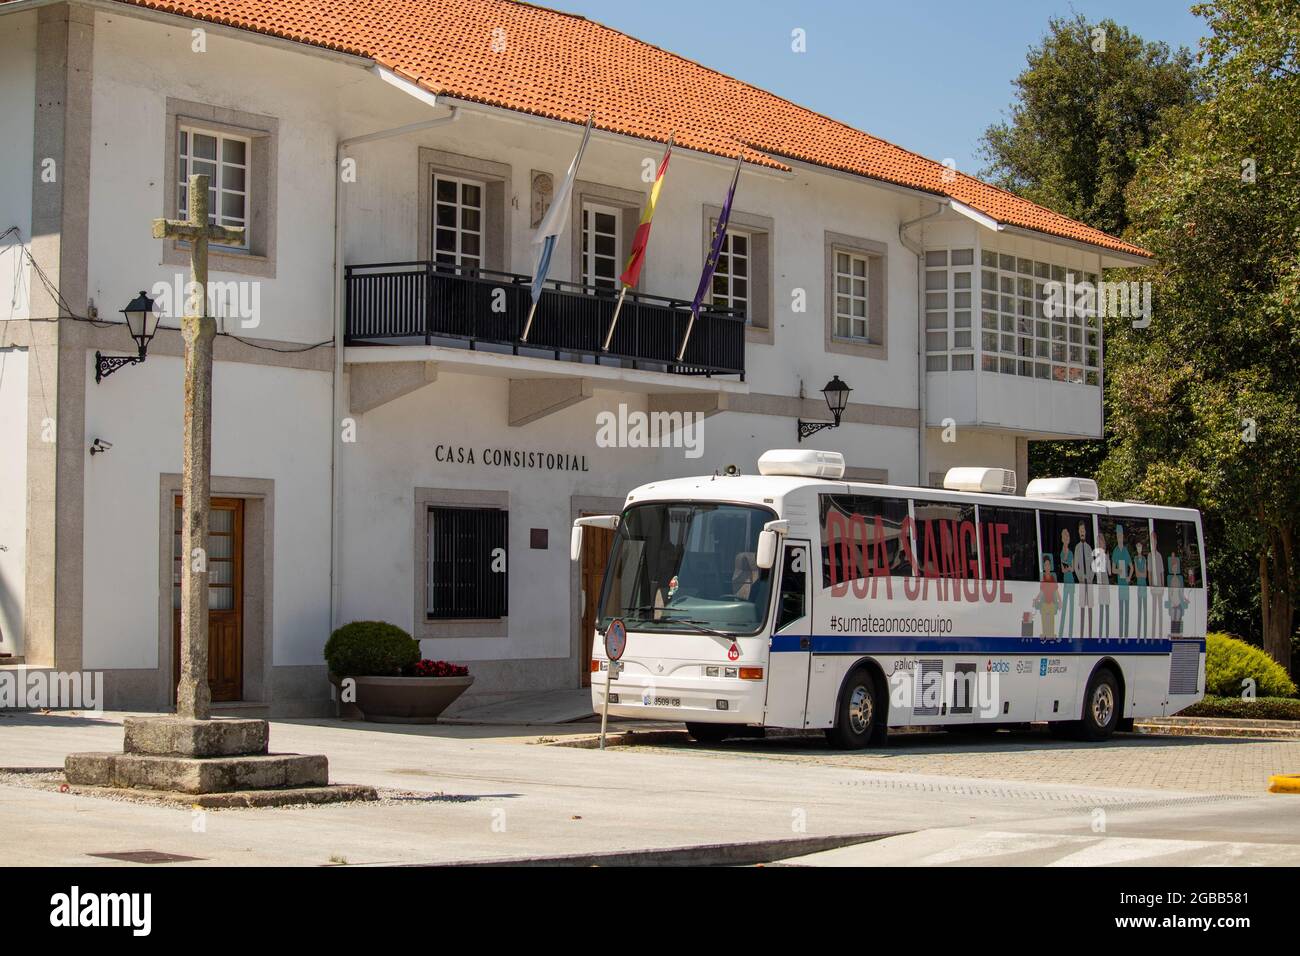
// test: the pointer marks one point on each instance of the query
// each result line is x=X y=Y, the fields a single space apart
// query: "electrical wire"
x=55 y=294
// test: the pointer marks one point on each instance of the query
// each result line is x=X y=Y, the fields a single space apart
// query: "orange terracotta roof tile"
x=558 y=65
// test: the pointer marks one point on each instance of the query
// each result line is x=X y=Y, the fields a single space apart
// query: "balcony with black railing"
x=433 y=303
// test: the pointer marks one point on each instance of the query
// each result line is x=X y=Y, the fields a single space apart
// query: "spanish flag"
x=642 y=238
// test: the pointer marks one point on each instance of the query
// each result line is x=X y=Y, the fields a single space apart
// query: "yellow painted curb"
x=1284 y=783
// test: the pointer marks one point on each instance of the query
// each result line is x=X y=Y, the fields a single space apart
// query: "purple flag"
x=719 y=236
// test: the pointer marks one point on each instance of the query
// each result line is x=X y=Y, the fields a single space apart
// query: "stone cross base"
x=176 y=755
x=176 y=736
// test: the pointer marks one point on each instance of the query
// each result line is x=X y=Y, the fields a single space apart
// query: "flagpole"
x=609 y=336
x=681 y=354
x=529 y=324
x=689 y=325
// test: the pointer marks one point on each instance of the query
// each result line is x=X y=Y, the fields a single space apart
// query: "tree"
x=1092 y=97
x=1205 y=403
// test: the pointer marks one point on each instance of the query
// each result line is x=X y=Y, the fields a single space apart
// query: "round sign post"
x=615 y=645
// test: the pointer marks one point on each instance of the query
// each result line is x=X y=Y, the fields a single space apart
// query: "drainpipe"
x=919 y=252
x=339 y=220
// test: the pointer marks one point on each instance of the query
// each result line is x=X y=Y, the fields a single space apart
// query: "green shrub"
x=370 y=649
x=1261 y=708
x=1229 y=661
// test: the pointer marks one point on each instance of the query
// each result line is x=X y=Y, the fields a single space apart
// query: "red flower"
x=428 y=668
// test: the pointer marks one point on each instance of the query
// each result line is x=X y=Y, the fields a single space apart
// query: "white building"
x=379 y=430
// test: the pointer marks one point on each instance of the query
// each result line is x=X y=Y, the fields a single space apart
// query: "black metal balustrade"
x=397 y=302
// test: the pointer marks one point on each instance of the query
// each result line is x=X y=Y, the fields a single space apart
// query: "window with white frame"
x=225 y=160
x=949 y=342
x=732 y=276
x=600 y=245
x=1017 y=337
x=457 y=221
x=851 y=304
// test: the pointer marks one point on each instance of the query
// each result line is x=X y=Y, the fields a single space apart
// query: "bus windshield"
x=687 y=566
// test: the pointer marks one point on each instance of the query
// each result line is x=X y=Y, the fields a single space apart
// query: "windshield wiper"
x=698 y=625
x=665 y=619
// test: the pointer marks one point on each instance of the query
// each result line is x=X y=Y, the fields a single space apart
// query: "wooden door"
x=596 y=543
x=225 y=598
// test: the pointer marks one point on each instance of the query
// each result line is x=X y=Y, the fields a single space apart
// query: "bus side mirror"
x=593 y=521
x=767 y=542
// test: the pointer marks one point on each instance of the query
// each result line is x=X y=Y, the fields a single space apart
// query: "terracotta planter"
x=402 y=700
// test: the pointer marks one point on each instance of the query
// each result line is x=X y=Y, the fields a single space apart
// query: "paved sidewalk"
x=1213 y=764
x=463 y=793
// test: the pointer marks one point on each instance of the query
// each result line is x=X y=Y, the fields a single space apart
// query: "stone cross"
x=193 y=698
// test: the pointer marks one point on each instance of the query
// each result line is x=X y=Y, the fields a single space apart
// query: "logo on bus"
x=998 y=667
x=733 y=653
x=1051 y=665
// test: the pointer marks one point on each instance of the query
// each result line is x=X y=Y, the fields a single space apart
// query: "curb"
x=1259 y=730
x=1284 y=783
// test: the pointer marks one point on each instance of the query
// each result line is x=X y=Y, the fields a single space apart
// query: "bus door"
x=791 y=642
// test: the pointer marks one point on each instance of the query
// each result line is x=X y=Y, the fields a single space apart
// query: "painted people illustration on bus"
x=1156 y=584
x=1083 y=572
x=1140 y=594
x=1047 y=600
x=1176 y=601
x=1101 y=575
x=1066 y=626
x=1121 y=565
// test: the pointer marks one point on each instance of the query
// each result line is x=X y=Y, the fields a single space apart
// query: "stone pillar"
x=56 y=377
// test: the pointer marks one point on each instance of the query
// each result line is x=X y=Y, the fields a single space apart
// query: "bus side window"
x=1177 y=539
x=1016 y=530
x=850 y=525
x=794 y=585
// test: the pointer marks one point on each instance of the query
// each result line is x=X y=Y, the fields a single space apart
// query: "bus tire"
x=1101 y=706
x=860 y=718
x=712 y=733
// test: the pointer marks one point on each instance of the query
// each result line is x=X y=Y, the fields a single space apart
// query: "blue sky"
x=928 y=75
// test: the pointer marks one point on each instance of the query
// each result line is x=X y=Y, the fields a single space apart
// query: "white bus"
x=797 y=599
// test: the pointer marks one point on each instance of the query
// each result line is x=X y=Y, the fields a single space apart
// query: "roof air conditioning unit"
x=997 y=481
x=1068 y=489
x=801 y=463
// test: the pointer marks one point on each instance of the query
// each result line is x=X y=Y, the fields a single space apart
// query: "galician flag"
x=556 y=219
x=642 y=238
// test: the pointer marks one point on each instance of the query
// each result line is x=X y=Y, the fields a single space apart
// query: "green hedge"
x=1261 y=708
x=1228 y=661
x=370 y=649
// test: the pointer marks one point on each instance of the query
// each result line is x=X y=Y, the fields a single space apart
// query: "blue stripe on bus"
x=952 y=644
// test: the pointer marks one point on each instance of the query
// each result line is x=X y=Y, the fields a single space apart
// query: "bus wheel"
x=712 y=733
x=860 y=716
x=1101 y=706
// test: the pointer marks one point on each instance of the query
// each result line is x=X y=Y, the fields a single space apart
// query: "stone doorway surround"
x=259 y=536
